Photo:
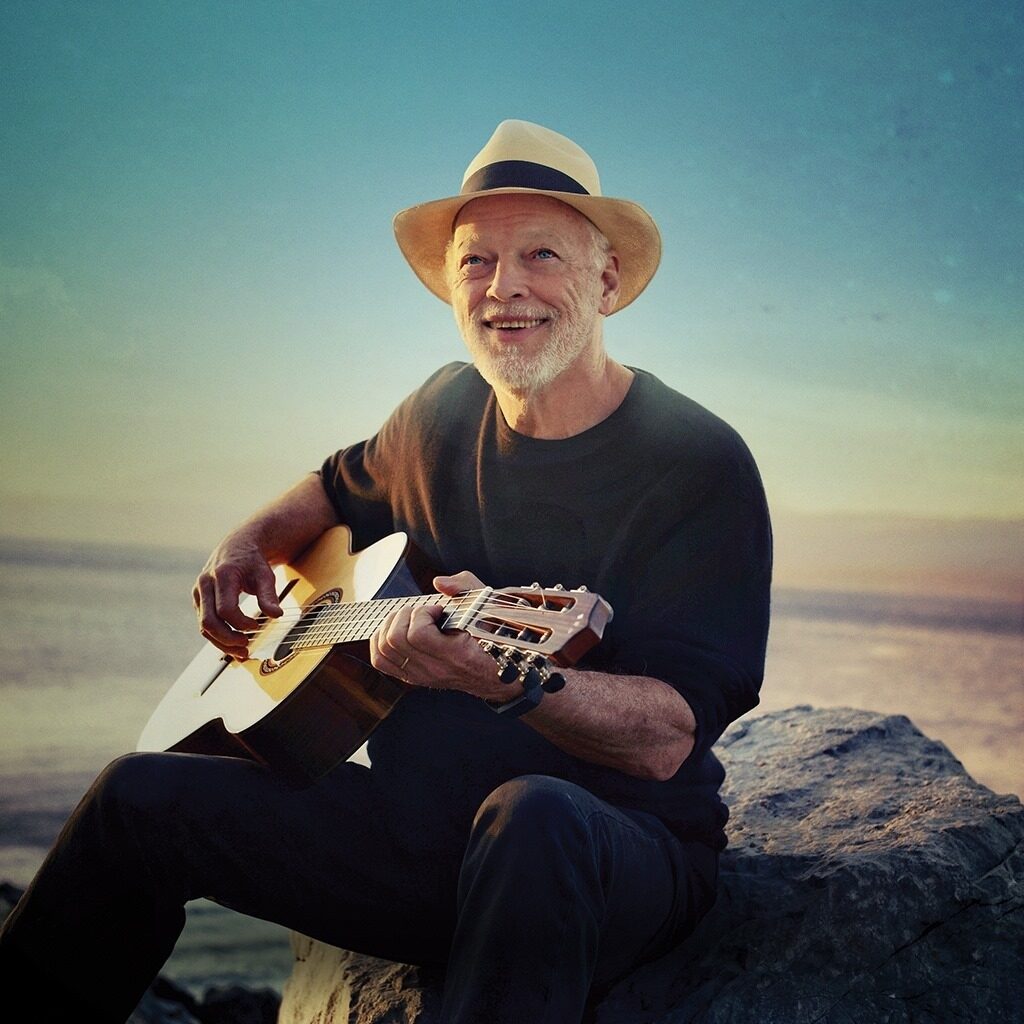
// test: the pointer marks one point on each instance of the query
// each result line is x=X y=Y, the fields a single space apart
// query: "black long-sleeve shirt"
x=659 y=509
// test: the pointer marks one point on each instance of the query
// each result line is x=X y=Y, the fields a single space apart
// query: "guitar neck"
x=328 y=624
x=556 y=623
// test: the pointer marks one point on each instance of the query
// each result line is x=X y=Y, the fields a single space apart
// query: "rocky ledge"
x=868 y=879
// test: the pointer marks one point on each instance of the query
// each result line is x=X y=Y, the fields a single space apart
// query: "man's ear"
x=610 y=284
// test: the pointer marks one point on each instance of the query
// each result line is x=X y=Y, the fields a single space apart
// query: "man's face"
x=528 y=287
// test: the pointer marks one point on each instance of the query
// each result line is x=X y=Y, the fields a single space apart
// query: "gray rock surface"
x=869 y=879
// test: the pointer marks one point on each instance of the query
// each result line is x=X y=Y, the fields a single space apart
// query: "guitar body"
x=299 y=711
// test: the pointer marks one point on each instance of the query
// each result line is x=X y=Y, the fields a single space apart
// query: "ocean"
x=95 y=635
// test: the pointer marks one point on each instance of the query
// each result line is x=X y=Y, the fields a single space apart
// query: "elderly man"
x=538 y=842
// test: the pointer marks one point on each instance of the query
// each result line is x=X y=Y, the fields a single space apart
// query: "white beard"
x=511 y=368
x=515 y=370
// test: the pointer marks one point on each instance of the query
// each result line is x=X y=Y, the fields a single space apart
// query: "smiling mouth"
x=514 y=325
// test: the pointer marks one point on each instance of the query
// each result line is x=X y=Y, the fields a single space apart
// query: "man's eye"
x=545 y=254
x=472 y=261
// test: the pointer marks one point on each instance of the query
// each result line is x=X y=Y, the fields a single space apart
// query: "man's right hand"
x=241 y=563
x=236 y=567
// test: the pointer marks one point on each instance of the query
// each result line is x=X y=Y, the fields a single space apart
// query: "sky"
x=201 y=297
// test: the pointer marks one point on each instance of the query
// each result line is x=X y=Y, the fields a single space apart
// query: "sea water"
x=94 y=636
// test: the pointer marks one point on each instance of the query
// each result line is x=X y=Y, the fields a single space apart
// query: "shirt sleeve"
x=706 y=598
x=374 y=484
x=358 y=481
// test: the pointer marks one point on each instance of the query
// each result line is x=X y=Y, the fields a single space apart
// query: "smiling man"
x=530 y=282
x=539 y=841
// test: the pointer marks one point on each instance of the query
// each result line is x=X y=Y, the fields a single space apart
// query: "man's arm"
x=636 y=724
x=241 y=562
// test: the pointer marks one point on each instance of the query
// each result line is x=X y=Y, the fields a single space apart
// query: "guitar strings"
x=345 y=614
x=317 y=621
x=372 y=607
x=460 y=600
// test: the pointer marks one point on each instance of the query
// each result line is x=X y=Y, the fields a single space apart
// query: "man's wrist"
x=532 y=673
x=529 y=696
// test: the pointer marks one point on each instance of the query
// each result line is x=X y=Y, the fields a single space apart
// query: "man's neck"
x=581 y=397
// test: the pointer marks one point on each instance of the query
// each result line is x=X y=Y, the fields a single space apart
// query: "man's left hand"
x=410 y=646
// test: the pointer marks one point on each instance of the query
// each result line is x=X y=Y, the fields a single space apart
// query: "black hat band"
x=521 y=174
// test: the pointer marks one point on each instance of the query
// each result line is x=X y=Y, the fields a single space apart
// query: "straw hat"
x=525 y=158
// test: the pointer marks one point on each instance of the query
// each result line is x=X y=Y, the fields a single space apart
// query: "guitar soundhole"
x=297 y=638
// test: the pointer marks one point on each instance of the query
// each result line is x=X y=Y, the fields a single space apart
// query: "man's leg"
x=558 y=892
x=156 y=830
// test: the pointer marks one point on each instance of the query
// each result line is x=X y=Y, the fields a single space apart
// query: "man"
x=538 y=844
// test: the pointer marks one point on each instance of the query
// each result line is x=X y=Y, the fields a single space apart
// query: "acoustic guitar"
x=307 y=696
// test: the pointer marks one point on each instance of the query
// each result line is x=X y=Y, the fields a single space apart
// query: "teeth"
x=506 y=325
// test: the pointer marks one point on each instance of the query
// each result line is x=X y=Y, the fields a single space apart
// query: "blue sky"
x=200 y=295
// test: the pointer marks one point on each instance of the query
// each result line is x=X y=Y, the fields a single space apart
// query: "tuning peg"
x=581 y=590
x=553 y=682
x=558 y=586
x=508 y=667
x=534 y=586
x=531 y=679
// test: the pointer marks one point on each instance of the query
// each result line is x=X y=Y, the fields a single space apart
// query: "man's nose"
x=508 y=281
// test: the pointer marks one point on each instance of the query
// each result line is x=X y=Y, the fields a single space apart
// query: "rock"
x=239 y=1005
x=168 y=1003
x=868 y=879
x=165 y=1003
x=334 y=986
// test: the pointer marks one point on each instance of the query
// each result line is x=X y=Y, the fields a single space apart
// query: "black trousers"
x=550 y=892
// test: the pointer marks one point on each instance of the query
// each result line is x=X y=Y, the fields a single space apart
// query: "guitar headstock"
x=562 y=625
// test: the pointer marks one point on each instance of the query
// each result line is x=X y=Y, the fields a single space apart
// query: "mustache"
x=507 y=312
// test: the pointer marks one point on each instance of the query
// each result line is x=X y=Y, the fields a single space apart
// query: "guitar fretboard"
x=330 y=624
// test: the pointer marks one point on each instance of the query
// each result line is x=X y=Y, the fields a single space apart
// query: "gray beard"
x=513 y=371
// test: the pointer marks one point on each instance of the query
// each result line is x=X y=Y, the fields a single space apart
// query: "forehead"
x=517 y=215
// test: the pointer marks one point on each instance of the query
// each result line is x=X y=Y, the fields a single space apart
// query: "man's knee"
x=533 y=849
x=137 y=783
x=536 y=808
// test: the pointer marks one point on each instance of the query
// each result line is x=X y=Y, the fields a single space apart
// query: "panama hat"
x=525 y=158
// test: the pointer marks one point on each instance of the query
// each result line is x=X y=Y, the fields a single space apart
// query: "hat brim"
x=423 y=232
